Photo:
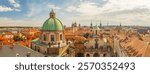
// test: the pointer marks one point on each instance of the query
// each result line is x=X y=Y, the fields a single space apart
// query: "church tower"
x=91 y=25
x=100 y=25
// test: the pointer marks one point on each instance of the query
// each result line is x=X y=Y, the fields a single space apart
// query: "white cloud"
x=133 y=12
x=104 y=0
x=52 y=6
x=114 y=11
x=88 y=9
x=127 y=11
x=15 y=7
x=71 y=8
x=5 y=9
x=14 y=3
x=92 y=8
x=120 y=5
x=85 y=8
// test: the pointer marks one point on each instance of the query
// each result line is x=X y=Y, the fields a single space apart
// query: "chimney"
x=28 y=54
x=17 y=54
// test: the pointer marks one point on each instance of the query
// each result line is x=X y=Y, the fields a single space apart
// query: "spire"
x=52 y=11
x=75 y=24
x=120 y=25
x=52 y=14
x=72 y=24
x=91 y=24
x=100 y=24
x=79 y=25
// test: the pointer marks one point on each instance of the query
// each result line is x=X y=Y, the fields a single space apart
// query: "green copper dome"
x=52 y=23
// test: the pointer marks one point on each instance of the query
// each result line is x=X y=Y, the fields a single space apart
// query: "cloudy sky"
x=114 y=12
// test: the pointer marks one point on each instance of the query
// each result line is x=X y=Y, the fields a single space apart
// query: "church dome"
x=52 y=23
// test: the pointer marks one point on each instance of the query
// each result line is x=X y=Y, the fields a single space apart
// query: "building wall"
x=38 y=48
x=56 y=38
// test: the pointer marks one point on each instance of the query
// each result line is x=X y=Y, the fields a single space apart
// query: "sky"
x=113 y=12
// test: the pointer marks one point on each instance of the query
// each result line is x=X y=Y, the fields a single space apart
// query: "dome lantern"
x=52 y=14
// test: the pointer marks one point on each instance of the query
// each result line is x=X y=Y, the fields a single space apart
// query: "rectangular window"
x=52 y=37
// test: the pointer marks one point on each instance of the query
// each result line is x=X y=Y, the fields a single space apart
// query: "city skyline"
x=114 y=12
x=55 y=40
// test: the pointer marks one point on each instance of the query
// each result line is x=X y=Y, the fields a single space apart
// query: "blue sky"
x=35 y=12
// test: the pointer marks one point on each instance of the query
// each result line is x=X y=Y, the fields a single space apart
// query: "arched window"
x=104 y=55
x=44 y=37
x=52 y=37
x=96 y=55
x=79 y=55
x=96 y=32
x=61 y=37
x=87 y=55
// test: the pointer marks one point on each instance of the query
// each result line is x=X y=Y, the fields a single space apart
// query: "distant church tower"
x=74 y=27
x=79 y=25
x=91 y=25
x=120 y=25
x=100 y=25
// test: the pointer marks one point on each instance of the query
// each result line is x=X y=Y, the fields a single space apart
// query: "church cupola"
x=52 y=14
